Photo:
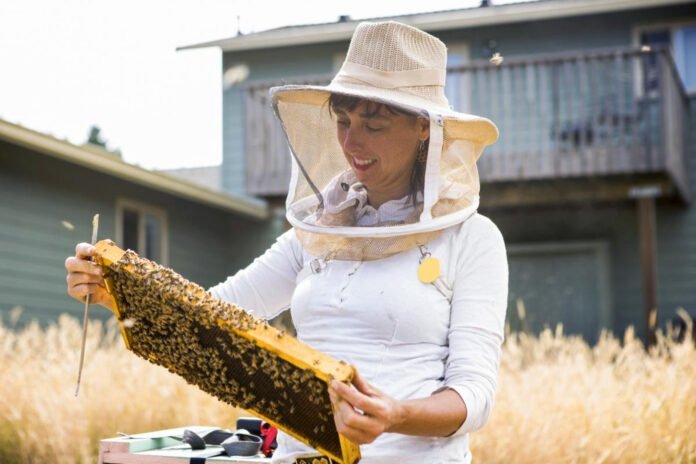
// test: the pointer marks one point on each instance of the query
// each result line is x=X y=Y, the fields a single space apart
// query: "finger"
x=83 y=278
x=362 y=385
x=357 y=436
x=76 y=278
x=336 y=400
x=356 y=398
x=353 y=425
x=353 y=419
x=84 y=250
x=82 y=290
x=332 y=395
x=76 y=264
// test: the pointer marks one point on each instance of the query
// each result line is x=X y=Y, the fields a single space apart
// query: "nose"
x=352 y=140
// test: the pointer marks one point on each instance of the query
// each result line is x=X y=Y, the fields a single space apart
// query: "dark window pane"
x=153 y=238
x=686 y=59
x=657 y=37
x=130 y=229
x=651 y=70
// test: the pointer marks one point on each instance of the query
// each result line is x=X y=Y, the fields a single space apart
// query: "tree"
x=95 y=138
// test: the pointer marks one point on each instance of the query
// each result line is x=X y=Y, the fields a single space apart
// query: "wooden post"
x=648 y=261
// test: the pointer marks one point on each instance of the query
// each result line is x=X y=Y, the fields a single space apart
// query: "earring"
x=422 y=152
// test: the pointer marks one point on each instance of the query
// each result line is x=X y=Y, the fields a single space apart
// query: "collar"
x=345 y=204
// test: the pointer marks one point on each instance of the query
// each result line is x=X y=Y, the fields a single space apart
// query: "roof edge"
x=432 y=21
x=106 y=163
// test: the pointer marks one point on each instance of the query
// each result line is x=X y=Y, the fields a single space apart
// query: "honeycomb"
x=224 y=350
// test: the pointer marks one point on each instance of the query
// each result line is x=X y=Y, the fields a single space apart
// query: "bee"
x=183 y=328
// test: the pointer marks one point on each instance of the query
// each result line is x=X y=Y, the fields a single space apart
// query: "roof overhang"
x=102 y=161
x=435 y=21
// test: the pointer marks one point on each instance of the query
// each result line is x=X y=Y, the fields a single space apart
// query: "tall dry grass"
x=559 y=399
x=41 y=421
x=562 y=401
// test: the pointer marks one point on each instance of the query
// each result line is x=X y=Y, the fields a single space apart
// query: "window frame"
x=463 y=91
x=599 y=248
x=337 y=61
x=143 y=209
x=640 y=28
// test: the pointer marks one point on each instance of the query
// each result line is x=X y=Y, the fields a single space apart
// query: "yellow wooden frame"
x=265 y=337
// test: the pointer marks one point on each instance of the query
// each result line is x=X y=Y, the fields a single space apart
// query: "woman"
x=388 y=266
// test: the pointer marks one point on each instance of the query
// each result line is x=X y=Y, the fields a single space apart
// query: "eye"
x=373 y=128
x=343 y=122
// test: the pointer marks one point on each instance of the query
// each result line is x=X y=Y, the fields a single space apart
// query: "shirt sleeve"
x=265 y=287
x=476 y=333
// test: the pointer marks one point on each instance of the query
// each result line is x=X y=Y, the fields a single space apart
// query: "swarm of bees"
x=175 y=323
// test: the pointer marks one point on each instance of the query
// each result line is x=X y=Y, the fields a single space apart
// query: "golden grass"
x=119 y=392
x=559 y=400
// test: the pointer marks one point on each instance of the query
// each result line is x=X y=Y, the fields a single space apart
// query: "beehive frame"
x=223 y=350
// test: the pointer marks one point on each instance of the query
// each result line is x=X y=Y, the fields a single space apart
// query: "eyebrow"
x=374 y=116
x=364 y=115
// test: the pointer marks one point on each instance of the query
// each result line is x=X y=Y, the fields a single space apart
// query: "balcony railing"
x=596 y=113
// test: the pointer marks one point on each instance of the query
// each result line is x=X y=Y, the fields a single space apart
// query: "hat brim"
x=458 y=125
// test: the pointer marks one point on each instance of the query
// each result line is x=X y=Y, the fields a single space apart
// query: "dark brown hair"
x=349 y=103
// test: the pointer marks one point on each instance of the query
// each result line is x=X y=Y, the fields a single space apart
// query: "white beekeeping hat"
x=405 y=68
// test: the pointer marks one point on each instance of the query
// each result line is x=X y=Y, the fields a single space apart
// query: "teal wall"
x=560 y=282
x=37 y=192
x=617 y=225
x=676 y=238
x=529 y=38
x=614 y=225
x=263 y=65
x=233 y=174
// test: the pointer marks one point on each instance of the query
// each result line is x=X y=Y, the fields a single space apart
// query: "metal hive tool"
x=225 y=351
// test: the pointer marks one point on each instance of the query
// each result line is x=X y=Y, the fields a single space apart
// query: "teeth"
x=363 y=162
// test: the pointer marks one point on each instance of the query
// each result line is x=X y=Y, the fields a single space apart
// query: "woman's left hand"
x=363 y=413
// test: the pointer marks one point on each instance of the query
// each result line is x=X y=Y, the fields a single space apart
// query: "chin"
x=364 y=179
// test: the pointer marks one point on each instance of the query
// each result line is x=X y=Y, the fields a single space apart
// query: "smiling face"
x=380 y=144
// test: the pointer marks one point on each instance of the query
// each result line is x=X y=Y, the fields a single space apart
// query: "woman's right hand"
x=85 y=277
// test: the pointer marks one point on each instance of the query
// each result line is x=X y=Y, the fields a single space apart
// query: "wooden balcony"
x=614 y=117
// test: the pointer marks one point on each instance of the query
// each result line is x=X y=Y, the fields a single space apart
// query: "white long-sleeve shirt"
x=407 y=338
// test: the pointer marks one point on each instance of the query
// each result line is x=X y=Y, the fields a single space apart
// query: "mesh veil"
x=402 y=67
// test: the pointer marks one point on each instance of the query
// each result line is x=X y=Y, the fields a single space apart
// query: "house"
x=50 y=190
x=591 y=180
x=206 y=176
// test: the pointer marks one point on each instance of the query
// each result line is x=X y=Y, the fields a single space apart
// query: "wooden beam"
x=568 y=191
x=648 y=261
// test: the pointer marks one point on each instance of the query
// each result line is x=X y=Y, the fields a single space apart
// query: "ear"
x=423 y=125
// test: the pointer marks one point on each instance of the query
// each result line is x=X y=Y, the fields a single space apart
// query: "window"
x=143 y=229
x=457 y=85
x=681 y=38
x=338 y=60
x=685 y=55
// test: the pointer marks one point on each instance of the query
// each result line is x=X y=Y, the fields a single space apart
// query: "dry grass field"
x=559 y=400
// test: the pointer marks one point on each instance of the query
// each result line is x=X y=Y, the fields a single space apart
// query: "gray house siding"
x=611 y=82
x=233 y=175
x=263 y=65
x=560 y=282
x=616 y=225
x=575 y=33
x=676 y=239
x=523 y=39
x=569 y=243
x=38 y=192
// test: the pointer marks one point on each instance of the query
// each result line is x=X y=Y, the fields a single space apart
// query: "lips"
x=362 y=165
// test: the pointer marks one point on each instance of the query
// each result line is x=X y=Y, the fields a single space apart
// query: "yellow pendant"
x=429 y=270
